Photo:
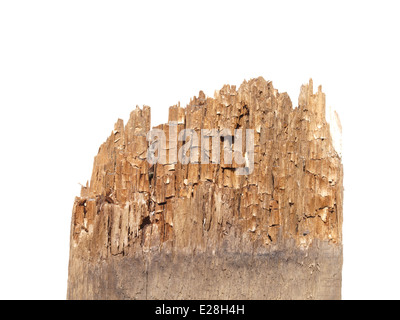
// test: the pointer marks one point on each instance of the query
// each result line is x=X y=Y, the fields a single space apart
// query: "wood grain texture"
x=199 y=231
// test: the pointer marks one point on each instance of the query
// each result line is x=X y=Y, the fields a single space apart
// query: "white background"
x=70 y=69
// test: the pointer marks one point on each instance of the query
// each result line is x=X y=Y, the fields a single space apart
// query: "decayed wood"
x=199 y=231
